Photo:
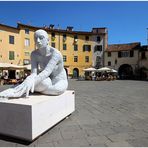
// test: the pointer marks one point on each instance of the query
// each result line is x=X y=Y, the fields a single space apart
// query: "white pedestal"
x=27 y=118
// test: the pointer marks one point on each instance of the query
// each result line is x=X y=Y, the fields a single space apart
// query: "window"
x=86 y=47
x=75 y=47
x=64 y=47
x=75 y=36
x=131 y=53
x=11 y=39
x=64 y=37
x=27 y=42
x=87 y=38
x=109 y=63
x=86 y=59
x=75 y=39
x=123 y=54
x=64 y=58
x=98 y=38
x=26 y=61
x=98 y=48
x=11 y=55
x=26 y=31
x=53 y=35
x=143 y=56
x=109 y=54
x=27 y=54
x=75 y=58
x=53 y=44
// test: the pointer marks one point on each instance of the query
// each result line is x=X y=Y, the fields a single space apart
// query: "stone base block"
x=27 y=118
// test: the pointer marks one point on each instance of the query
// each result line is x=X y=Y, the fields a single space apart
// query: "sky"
x=127 y=21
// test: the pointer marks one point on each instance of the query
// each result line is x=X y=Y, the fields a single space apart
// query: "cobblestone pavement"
x=108 y=113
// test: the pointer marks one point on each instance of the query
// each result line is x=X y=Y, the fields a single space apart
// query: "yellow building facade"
x=80 y=49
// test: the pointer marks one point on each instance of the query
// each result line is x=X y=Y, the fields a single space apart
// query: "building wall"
x=143 y=62
x=133 y=61
x=5 y=47
x=22 y=52
x=70 y=53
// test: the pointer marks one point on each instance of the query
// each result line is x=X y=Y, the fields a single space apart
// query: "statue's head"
x=41 y=38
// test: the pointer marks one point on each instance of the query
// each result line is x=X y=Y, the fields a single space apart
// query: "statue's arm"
x=34 y=64
x=56 y=57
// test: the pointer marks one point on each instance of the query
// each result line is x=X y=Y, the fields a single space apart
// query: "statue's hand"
x=7 y=93
x=29 y=84
x=11 y=92
x=25 y=87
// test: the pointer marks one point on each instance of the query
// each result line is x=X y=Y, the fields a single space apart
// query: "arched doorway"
x=75 y=73
x=125 y=71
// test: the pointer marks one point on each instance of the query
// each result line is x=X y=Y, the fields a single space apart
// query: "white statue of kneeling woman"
x=50 y=80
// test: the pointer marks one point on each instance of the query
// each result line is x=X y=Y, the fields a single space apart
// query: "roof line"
x=59 y=30
x=8 y=26
x=126 y=43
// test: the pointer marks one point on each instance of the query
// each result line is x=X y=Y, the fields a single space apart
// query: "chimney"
x=69 y=28
x=51 y=26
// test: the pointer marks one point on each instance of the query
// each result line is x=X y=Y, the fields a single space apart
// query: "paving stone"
x=123 y=129
x=118 y=144
x=113 y=113
x=97 y=141
x=138 y=134
x=142 y=142
x=46 y=144
x=4 y=143
x=104 y=131
x=89 y=126
x=90 y=133
x=50 y=137
x=72 y=143
x=120 y=137
x=73 y=135
x=70 y=128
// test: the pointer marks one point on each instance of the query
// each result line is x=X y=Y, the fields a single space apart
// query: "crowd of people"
x=99 y=76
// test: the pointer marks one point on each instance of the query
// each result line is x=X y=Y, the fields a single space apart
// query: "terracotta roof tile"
x=123 y=47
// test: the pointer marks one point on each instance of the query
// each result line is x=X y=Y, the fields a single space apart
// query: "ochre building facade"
x=80 y=49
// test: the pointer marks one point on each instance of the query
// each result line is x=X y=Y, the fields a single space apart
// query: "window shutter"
x=83 y=47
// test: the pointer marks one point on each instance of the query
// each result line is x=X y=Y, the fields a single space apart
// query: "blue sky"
x=126 y=21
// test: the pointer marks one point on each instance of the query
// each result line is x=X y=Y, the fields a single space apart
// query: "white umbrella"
x=90 y=69
x=114 y=71
x=28 y=67
x=104 y=69
x=10 y=66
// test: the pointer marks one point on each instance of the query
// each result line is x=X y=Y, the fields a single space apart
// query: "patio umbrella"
x=114 y=71
x=28 y=67
x=7 y=66
x=104 y=69
x=90 y=69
